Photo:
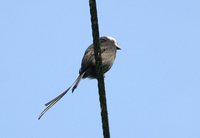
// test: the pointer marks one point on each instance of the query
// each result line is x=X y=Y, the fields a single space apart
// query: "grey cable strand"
x=100 y=77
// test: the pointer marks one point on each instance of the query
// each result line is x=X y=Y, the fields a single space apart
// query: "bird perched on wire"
x=109 y=47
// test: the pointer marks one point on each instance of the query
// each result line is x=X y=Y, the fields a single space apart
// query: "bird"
x=109 y=47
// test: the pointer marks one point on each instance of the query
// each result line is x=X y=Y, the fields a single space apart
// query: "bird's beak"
x=117 y=46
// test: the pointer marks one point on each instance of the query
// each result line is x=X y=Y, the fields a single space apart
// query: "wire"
x=100 y=77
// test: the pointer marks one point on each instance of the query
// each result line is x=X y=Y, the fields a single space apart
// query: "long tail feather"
x=52 y=102
x=77 y=81
x=56 y=99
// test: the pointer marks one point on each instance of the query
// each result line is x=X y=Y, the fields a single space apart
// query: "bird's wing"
x=89 y=58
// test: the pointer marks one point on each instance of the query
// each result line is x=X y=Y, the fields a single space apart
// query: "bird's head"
x=111 y=39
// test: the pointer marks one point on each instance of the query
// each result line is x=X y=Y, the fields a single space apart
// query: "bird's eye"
x=102 y=50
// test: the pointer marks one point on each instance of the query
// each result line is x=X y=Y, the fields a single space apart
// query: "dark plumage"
x=108 y=47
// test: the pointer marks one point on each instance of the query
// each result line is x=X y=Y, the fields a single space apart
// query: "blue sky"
x=153 y=89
